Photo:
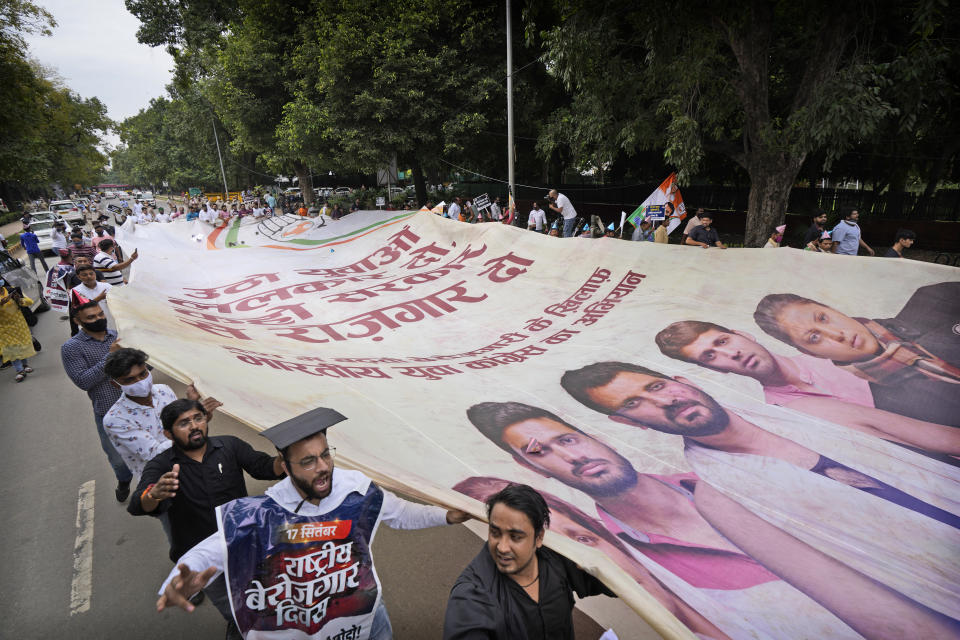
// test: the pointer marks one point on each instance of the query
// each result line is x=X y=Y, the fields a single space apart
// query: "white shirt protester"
x=59 y=241
x=537 y=217
x=494 y=211
x=566 y=207
x=454 y=211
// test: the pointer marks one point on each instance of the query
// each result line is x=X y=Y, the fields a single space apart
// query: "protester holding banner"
x=571 y=522
x=515 y=587
x=298 y=558
x=106 y=263
x=649 y=512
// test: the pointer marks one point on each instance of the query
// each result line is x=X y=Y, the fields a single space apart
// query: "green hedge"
x=13 y=216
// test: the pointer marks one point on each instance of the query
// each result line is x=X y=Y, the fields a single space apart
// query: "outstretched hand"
x=178 y=591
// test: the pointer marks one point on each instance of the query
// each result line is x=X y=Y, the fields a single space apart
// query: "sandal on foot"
x=20 y=377
x=28 y=369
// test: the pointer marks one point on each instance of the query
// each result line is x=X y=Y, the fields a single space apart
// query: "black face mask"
x=97 y=326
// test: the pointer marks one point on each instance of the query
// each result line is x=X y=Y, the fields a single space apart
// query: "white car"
x=342 y=191
x=147 y=198
x=45 y=216
x=44 y=232
x=108 y=194
x=68 y=210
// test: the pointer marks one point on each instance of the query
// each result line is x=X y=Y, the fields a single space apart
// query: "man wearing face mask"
x=133 y=422
x=83 y=358
x=80 y=248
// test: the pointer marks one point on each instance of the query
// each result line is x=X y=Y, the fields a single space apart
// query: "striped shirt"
x=104 y=261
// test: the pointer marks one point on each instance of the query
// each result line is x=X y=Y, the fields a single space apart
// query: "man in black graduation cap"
x=298 y=559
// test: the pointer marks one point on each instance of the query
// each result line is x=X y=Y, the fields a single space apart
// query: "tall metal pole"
x=223 y=174
x=510 y=177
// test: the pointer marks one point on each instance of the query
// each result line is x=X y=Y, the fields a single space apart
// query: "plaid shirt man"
x=83 y=357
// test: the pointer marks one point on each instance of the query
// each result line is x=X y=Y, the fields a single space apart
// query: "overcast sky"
x=94 y=49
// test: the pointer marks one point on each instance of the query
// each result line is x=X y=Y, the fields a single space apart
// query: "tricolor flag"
x=655 y=206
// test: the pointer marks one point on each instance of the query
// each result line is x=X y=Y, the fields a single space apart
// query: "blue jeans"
x=568 y=226
x=120 y=468
x=33 y=264
x=18 y=365
x=381 y=628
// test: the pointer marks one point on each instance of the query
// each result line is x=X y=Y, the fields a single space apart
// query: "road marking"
x=82 y=586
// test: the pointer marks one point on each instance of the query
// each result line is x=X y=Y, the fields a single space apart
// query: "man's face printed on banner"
x=826 y=333
x=572 y=457
x=730 y=352
x=663 y=404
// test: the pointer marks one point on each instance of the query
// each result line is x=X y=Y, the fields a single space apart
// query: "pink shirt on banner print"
x=830 y=381
x=696 y=564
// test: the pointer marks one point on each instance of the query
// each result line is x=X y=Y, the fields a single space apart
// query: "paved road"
x=50 y=459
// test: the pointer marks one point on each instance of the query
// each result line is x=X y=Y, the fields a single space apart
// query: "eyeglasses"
x=310 y=462
x=200 y=418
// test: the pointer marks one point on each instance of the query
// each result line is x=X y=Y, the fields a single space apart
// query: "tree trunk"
x=303 y=181
x=418 y=181
x=770 y=185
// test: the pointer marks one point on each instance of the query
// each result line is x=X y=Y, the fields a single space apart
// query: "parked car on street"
x=20 y=275
x=146 y=198
x=44 y=232
x=342 y=191
x=68 y=210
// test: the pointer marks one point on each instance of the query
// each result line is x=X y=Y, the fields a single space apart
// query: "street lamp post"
x=223 y=174
x=510 y=176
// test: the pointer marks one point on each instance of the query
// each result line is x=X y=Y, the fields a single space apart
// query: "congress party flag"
x=665 y=203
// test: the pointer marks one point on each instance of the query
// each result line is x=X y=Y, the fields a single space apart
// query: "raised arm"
x=871 y=609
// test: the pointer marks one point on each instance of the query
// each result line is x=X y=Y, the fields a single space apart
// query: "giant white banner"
x=742 y=443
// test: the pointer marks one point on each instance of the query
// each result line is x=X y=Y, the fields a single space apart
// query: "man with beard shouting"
x=199 y=472
x=298 y=558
